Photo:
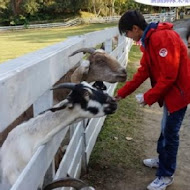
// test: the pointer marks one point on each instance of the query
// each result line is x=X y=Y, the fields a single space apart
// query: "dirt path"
x=151 y=126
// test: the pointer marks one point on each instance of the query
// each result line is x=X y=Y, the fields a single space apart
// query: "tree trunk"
x=113 y=8
x=15 y=4
x=94 y=7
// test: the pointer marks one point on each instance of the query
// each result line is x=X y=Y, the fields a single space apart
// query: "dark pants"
x=168 y=141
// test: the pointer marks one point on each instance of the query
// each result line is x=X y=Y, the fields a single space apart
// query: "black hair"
x=188 y=33
x=130 y=18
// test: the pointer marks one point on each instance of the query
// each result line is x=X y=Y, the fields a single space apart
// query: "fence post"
x=84 y=155
x=120 y=40
x=42 y=104
x=108 y=45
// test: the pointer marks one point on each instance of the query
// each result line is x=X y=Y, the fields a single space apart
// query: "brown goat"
x=99 y=66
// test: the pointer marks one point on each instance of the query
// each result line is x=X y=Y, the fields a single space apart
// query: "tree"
x=30 y=7
x=119 y=6
x=112 y=7
x=4 y=4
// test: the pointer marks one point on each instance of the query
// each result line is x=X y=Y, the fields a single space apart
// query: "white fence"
x=162 y=17
x=26 y=81
x=73 y=22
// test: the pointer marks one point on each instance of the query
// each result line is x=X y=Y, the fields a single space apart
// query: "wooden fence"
x=26 y=81
x=168 y=16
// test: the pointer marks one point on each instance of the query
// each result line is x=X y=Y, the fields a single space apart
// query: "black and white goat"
x=84 y=101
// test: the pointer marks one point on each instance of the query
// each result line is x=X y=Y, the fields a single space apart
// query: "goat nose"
x=111 y=100
x=124 y=71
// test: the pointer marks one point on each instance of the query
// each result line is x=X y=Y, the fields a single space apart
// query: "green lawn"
x=16 y=43
x=112 y=148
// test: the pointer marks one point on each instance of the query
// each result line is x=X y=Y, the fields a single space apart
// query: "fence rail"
x=26 y=81
x=168 y=16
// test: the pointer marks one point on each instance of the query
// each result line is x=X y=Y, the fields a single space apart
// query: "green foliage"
x=3 y=4
x=35 y=10
x=19 y=20
x=132 y=5
x=30 y=7
x=84 y=14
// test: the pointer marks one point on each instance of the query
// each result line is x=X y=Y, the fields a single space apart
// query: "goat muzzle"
x=122 y=76
x=112 y=106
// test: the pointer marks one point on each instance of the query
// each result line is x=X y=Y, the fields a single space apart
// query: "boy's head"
x=132 y=24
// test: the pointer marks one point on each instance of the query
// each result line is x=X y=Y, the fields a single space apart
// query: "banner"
x=165 y=3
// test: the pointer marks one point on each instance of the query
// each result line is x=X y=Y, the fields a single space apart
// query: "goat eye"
x=86 y=94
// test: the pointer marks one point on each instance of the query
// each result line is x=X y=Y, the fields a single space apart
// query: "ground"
x=110 y=178
x=132 y=178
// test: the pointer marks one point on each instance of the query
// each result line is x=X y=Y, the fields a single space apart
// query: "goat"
x=84 y=101
x=99 y=66
x=68 y=182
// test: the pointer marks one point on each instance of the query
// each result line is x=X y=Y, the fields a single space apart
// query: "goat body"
x=25 y=138
x=83 y=102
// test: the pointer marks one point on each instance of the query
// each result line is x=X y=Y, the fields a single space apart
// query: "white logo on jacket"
x=163 y=52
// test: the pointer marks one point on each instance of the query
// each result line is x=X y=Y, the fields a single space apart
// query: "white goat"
x=84 y=101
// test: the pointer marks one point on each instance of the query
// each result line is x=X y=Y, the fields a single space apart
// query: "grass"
x=19 y=42
x=112 y=149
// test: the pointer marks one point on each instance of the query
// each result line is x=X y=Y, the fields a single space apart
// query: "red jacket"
x=165 y=62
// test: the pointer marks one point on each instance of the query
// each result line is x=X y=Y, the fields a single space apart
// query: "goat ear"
x=80 y=71
x=62 y=105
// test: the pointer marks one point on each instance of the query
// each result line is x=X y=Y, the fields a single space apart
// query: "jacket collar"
x=150 y=26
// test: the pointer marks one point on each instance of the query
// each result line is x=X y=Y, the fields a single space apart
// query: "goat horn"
x=66 y=182
x=64 y=85
x=84 y=50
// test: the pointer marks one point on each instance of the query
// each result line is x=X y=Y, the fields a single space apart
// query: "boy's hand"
x=117 y=98
x=140 y=99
